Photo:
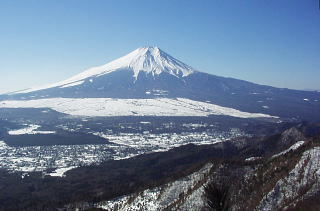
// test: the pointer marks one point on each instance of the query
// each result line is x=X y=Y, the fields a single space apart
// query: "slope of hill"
x=256 y=177
x=289 y=180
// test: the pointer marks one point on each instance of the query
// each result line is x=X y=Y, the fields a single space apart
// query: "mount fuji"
x=148 y=77
x=137 y=66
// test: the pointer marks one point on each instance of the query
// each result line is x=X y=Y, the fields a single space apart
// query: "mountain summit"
x=150 y=60
x=149 y=73
x=146 y=59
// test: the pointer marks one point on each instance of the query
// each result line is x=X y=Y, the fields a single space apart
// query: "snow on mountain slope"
x=147 y=59
x=183 y=194
x=300 y=182
x=131 y=107
x=290 y=149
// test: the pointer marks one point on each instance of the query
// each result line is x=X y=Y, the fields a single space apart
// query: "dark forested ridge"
x=115 y=178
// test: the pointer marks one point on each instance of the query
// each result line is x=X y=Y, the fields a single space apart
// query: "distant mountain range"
x=150 y=73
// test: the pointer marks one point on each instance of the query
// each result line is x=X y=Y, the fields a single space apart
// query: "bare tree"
x=217 y=196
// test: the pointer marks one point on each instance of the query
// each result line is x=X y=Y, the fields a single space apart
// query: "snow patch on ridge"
x=131 y=107
x=183 y=194
x=292 y=148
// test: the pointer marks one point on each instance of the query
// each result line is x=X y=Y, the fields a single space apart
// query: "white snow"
x=253 y=158
x=60 y=172
x=72 y=84
x=300 y=180
x=2 y=145
x=30 y=130
x=292 y=148
x=183 y=194
x=131 y=107
x=147 y=59
x=145 y=123
x=165 y=141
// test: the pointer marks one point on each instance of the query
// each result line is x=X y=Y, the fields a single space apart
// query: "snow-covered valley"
x=121 y=146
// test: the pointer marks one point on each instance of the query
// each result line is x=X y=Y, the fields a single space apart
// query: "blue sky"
x=273 y=42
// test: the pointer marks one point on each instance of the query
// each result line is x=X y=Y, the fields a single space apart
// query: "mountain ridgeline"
x=151 y=73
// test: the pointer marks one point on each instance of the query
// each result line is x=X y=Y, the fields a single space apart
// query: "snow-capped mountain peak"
x=147 y=59
x=150 y=60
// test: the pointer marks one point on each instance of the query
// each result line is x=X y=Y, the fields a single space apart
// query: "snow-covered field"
x=166 y=141
x=131 y=107
x=60 y=172
x=61 y=157
x=121 y=146
x=30 y=130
